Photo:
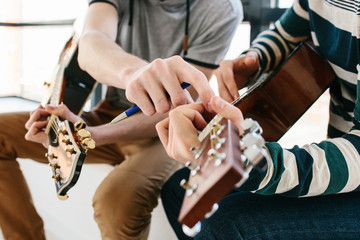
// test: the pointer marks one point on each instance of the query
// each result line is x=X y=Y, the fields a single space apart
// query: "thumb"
x=251 y=61
x=250 y=64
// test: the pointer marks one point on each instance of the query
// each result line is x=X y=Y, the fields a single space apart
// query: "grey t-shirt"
x=158 y=28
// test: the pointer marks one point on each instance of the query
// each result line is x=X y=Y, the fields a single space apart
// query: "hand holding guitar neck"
x=68 y=143
x=222 y=161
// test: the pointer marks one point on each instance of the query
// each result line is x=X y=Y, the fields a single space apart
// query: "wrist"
x=128 y=72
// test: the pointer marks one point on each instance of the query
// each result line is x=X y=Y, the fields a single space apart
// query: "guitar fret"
x=244 y=92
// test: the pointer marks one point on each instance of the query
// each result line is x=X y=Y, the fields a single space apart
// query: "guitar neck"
x=243 y=93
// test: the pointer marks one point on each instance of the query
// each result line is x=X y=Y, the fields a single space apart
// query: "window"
x=29 y=54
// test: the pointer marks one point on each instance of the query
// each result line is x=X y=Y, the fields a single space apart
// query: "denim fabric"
x=244 y=215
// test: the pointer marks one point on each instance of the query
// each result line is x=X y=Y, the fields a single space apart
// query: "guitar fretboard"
x=243 y=93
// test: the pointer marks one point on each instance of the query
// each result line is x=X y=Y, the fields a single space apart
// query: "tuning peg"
x=250 y=125
x=254 y=154
x=191 y=232
x=70 y=150
x=217 y=127
x=89 y=143
x=47 y=84
x=62 y=131
x=80 y=125
x=218 y=161
x=215 y=154
x=184 y=183
x=54 y=166
x=212 y=152
x=191 y=189
x=56 y=177
x=66 y=141
x=218 y=156
x=217 y=141
x=84 y=133
x=253 y=139
x=50 y=155
x=188 y=164
x=244 y=160
x=214 y=208
x=221 y=129
x=195 y=170
x=197 y=152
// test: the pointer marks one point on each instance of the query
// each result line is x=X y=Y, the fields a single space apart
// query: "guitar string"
x=55 y=126
x=246 y=91
x=209 y=128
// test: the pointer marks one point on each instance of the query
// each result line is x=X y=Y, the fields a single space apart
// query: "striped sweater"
x=332 y=166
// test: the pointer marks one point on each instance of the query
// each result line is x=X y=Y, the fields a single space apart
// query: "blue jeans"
x=244 y=215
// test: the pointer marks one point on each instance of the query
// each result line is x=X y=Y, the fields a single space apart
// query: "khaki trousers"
x=122 y=203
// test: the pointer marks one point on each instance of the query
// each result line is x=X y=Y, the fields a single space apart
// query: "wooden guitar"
x=68 y=142
x=276 y=100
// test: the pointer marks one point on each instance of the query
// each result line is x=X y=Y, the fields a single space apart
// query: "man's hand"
x=36 y=125
x=38 y=121
x=178 y=132
x=148 y=85
x=232 y=75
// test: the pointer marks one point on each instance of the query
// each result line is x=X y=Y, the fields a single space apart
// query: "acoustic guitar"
x=68 y=142
x=276 y=101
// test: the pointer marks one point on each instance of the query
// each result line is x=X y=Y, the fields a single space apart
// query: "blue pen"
x=135 y=109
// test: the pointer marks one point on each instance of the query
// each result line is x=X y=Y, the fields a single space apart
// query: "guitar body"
x=289 y=92
x=68 y=144
x=276 y=101
x=71 y=85
x=78 y=86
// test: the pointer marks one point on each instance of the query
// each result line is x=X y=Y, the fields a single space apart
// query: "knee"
x=171 y=191
x=123 y=207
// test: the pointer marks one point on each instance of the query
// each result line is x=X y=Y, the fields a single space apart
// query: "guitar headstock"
x=222 y=161
x=68 y=147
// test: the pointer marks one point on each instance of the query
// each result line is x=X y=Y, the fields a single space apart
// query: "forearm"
x=329 y=167
x=97 y=49
x=136 y=127
x=274 y=45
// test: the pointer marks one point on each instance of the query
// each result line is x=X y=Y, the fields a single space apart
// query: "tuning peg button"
x=80 y=125
x=54 y=166
x=250 y=125
x=89 y=143
x=191 y=189
x=253 y=139
x=195 y=170
x=84 y=133
x=184 y=184
x=56 y=177
x=214 y=208
x=50 y=155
